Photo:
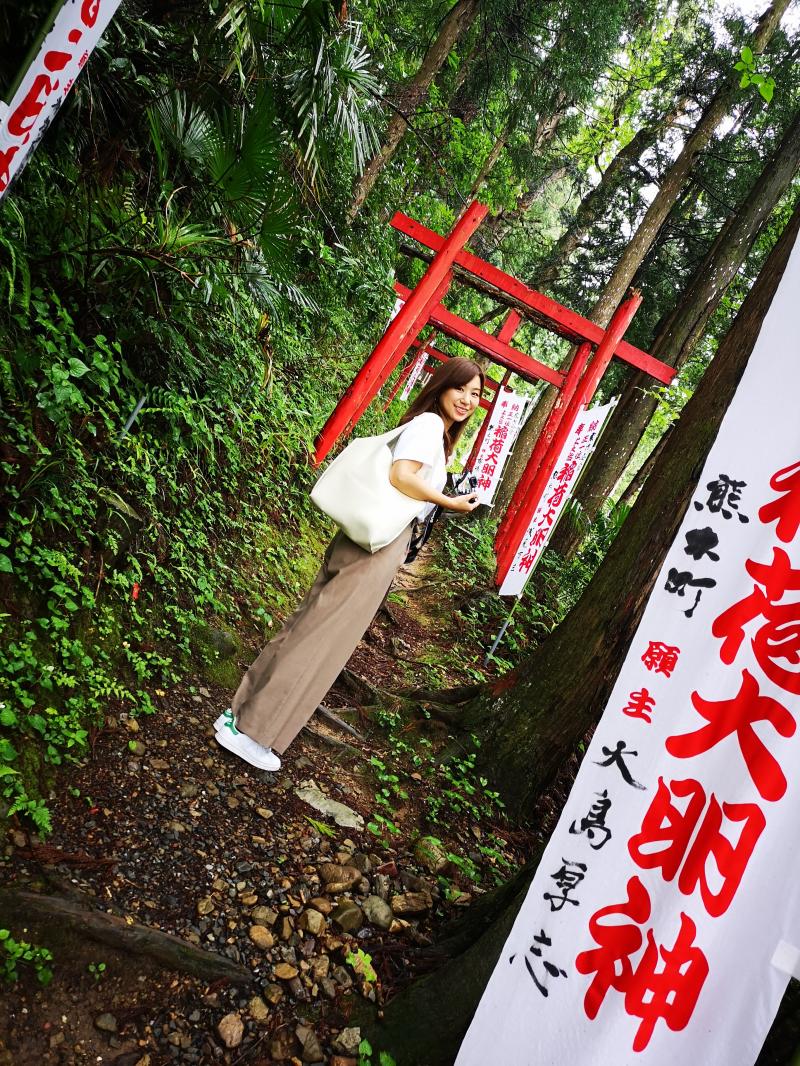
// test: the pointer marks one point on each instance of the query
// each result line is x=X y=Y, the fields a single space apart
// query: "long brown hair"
x=449 y=375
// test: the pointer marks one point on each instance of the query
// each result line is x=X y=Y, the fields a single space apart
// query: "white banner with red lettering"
x=578 y=446
x=666 y=909
x=77 y=28
x=416 y=370
x=505 y=420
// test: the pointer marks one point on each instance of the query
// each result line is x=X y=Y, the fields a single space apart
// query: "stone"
x=343 y=1060
x=340 y=812
x=312 y=922
x=189 y=790
x=284 y=971
x=106 y=1023
x=378 y=912
x=261 y=937
x=285 y=928
x=136 y=747
x=361 y=862
x=381 y=886
x=324 y=906
x=411 y=903
x=273 y=993
x=328 y=987
x=265 y=915
x=159 y=764
x=339 y=878
x=428 y=852
x=320 y=967
x=258 y=1009
x=283 y=1045
x=348 y=916
x=205 y=906
x=312 y=1051
x=346 y=1043
x=231 y=1030
x=263 y=812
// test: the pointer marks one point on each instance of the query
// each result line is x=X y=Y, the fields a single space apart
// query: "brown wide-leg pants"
x=291 y=676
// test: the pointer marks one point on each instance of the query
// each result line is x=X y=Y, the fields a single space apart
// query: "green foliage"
x=362 y=964
x=15 y=952
x=365 y=1053
x=751 y=76
x=97 y=970
x=459 y=791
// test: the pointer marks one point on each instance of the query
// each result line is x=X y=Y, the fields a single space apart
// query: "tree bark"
x=593 y=205
x=683 y=329
x=455 y=24
x=545 y=715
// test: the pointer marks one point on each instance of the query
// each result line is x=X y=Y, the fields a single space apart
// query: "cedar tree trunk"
x=457 y=21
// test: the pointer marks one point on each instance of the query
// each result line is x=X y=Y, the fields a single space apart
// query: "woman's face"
x=458 y=402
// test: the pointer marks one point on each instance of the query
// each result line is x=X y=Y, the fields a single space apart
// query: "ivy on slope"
x=120 y=547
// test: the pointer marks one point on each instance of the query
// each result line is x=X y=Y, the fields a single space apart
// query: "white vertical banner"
x=578 y=446
x=505 y=420
x=664 y=918
x=416 y=370
x=76 y=30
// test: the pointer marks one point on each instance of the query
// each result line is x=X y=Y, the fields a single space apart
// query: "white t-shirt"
x=422 y=441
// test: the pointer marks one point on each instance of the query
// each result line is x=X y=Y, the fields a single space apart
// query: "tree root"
x=79 y=916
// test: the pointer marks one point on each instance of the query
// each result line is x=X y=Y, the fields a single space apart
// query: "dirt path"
x=163 y=827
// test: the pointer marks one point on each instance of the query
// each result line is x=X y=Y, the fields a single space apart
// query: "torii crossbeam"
x=448 y=260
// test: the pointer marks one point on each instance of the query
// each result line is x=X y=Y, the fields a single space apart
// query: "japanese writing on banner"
x=77 y=28
x=505 y=420
x=578 y=447
x=673 y=876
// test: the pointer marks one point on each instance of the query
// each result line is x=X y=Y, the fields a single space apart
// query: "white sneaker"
x=226 y=721
x=247 y=748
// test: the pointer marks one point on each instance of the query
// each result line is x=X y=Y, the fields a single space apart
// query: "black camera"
x=464 y=484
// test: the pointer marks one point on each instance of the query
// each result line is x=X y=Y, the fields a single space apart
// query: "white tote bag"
x=355 y=491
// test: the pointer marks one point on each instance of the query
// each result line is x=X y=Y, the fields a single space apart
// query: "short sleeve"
x=421 y=440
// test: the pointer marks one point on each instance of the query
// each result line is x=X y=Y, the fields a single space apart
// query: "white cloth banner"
x=416 y=370
x=78 y=27
x=578 y=446
x=505 y=420
x=650 y=929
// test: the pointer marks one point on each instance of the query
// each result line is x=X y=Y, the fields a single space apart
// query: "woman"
x=286 y=683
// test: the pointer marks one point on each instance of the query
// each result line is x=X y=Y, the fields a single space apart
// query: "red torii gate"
x=595 y=348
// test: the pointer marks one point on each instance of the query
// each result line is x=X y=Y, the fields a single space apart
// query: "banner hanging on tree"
x=578 y=446
x=664 y=917
x=77 y=28
x=505 y=420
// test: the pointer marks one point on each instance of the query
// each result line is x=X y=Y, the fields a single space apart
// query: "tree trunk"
x=551 y=701
x=593 y=205
x=544 y=131
x=672 y=182
x=495 y=228
x=683 y=329
x=456 y=23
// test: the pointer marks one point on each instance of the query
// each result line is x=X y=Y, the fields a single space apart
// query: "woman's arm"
x=406 y=478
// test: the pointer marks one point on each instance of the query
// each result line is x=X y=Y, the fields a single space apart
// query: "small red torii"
x=422 y=307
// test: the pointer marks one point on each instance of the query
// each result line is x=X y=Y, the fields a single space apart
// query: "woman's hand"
x=463 y=504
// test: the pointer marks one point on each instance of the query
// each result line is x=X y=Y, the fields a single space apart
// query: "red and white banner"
x=77 y=28
x=578 y=446
x=505 y=420
x=665 y=914
x=416 y=370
